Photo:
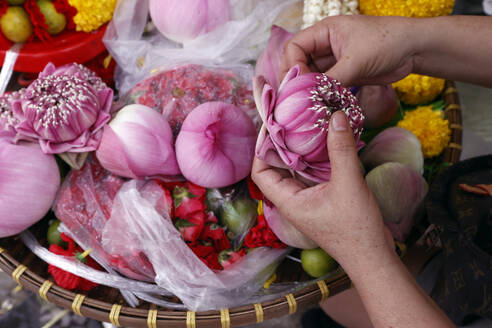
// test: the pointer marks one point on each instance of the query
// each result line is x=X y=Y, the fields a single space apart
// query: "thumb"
x=342 y=151
x=345 y=72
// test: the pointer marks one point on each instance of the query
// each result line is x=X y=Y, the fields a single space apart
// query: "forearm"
x=391 y=296
x=454 y=47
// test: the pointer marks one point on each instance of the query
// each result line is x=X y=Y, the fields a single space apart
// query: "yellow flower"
x=430 y=127
x=91 y=14
x=408 y=8
x=418 y=89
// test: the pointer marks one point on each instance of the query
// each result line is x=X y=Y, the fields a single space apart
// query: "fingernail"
x=339 y=121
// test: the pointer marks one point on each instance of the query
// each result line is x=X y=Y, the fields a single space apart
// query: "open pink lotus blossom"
x=29 y=180
x=184 y=20
x=78 y=70
x=64 y=112
x=137 y=143
x=215 y=147
x=8 y=121
x=296 y=119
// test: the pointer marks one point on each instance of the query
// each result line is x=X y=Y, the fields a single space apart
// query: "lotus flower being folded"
x=64 y=112
x=296 y=119
x=138 y=143
x=78 y=70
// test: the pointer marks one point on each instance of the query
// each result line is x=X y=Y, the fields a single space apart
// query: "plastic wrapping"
x=138 y=52
x=127 y=226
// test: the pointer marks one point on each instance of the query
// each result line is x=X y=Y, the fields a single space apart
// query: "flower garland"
x=430 y=127
x=316 y=10
x=92 y=14
x=418 y=89
x=408 y=8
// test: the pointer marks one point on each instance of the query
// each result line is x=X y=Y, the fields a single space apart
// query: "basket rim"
x=238 y=316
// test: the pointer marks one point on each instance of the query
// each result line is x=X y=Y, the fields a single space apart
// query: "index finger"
x=303 y=46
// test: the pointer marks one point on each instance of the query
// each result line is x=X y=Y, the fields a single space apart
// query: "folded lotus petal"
x=215 y=147
x=268 y=64
x=265 y=149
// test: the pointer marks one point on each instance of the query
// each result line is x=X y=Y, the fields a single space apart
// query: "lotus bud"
x=284 y=230
x=399 y=191
x=394 y=145
x=65 y=113
x=296 y=119
x=138 y=143
x=29 y=180
x=268 y=64
x=184 y=20
x=379 y=104
x=215 y=147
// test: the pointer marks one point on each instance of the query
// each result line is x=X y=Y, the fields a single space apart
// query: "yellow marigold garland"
x=430 y=127
x=418 y=89
x=91 y=14
x=408 y=8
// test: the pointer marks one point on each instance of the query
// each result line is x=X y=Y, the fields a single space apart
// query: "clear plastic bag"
x=138 y=52
x=128 y=228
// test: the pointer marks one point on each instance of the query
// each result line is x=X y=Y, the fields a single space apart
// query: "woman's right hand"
x=356 y=50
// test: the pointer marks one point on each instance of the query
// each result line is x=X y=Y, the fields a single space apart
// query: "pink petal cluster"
x=138 y=143
x=64 y=110
x=75 y=69
x=296 y=119
x=8 y=121
x=215 y=147
x=184 y=20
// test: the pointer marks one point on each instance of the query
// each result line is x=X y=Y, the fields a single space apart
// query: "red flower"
x=261 y=235
x=63 y=7
x=40 y=28
x=66 y=279
x=216 y=235
x=228 y=257
x=207 y=254
x=254 y=191
x=191 y=228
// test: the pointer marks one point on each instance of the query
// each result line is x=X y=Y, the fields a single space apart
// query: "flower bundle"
x=408 y=8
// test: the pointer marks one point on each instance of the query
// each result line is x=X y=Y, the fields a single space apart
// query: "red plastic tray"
x=67 y=47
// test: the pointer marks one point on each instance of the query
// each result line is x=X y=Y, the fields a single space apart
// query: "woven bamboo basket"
x=106 y=304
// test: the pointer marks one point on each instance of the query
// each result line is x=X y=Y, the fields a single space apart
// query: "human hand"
x=341 y=215
x=356 y=50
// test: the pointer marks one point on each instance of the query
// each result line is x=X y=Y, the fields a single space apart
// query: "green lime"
x=53 y=234
x=56 y=22
x=15 y=24
x=316 y=262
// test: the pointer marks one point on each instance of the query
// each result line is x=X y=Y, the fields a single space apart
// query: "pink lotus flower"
x=296 y=119
x=29 y=180
x=8 y=121
x=215 y=147
x=268 y=64
x=64 y=112
x=184 y=20
x=75 y=69
x=138 y=143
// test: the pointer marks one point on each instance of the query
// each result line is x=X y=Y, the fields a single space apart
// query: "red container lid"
x=64 y=48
